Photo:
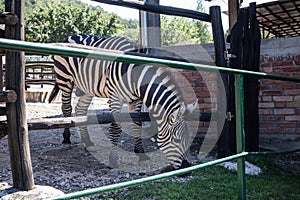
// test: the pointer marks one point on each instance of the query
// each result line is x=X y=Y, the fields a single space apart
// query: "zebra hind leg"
x=138 y=144
x=114 y=135
x=67 y=110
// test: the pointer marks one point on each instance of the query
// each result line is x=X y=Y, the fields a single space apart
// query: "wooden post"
x=233 y=7
x=245 y=45
x=219 y=45
x=16 y=112
x=251 y=86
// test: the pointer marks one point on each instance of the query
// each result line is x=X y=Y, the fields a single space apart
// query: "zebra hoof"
x=113 y=164
x=66 y=146
x=113 y=160
x=185 y=164
x=88 y=144
x=143 y=158
x=91 y=148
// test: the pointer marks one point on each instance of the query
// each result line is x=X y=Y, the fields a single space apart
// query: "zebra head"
x=175 y=138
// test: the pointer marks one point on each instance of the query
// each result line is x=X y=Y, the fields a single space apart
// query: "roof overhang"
x=279 y=18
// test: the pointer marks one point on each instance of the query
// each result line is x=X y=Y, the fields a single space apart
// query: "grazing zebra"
x=127 y=83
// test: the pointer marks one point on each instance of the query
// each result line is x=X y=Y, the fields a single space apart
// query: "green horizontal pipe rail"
x=118 y=56
x=164 y=175
x=146 y=179
x=262 y=153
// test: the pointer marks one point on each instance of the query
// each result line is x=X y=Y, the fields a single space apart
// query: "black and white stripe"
x=133 y=84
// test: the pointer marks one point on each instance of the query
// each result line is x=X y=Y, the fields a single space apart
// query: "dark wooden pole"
x=16 y=112
x=236 y=49
x=245 y=45
x=251 y=84
x=219 y=45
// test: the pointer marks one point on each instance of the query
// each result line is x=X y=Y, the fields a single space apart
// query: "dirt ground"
x=74 y=168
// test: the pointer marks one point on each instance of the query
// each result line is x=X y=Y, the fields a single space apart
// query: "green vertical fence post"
x=240 y=133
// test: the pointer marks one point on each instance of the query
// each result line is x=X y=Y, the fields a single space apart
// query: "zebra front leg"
x=138 y=144
x=136 y=132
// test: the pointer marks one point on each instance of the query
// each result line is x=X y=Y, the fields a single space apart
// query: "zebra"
x=133 y=84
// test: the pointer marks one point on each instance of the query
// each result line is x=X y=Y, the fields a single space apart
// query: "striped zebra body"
x=132 y=84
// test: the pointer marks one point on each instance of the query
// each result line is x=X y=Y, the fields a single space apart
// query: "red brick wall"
x=201 y=85
x=279 y=101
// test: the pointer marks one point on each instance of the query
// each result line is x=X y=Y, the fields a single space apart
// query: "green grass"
x=218 y=183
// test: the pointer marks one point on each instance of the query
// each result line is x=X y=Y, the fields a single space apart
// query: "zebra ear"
x=177 y=114
x=190 y=108
x=174 y=116
x=182 y=111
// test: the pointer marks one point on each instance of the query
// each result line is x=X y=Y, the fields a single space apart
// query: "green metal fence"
x=121 y=57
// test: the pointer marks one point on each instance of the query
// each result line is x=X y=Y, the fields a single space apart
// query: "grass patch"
x=218 y=183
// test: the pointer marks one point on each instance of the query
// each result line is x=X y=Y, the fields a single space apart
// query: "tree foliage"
x=130 y=29
x=2 y=7
x=52 y=21
x=183 y=30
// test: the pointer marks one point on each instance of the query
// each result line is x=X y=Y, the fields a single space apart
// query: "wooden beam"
x=8 y=18
x=8 y=96
x=167 y=10
x=101 y=118
x=18 y=142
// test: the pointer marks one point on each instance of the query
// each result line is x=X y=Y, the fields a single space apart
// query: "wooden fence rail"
x=101 y=118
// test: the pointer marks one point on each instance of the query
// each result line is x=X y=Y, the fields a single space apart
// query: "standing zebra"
x=127 y=83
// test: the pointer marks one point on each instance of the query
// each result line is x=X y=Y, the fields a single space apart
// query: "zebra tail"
x=54 y=93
